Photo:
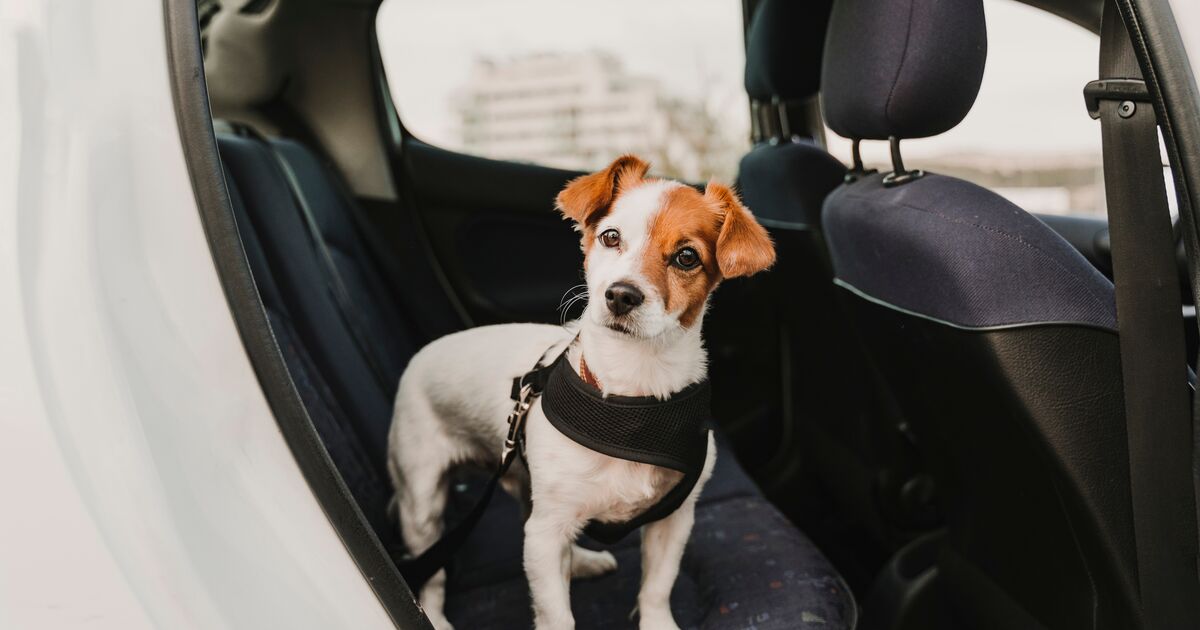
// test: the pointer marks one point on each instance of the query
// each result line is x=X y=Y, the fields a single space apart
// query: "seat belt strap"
x=1157 y=412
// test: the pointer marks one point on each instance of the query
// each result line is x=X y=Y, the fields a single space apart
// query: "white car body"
x=143 y=478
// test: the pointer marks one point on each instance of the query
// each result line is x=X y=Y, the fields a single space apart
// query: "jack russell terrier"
x=655 y=249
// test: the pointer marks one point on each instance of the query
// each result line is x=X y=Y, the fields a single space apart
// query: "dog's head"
x=655 y=249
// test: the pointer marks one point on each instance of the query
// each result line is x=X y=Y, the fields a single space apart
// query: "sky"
x=1030 y=100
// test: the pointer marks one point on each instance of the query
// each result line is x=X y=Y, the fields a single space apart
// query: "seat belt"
x=1158 y=417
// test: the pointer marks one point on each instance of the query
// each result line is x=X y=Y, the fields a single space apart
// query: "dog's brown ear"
x=743 y=247
x=587 y=199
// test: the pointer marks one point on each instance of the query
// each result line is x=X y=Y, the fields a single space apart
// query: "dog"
x=655 y=249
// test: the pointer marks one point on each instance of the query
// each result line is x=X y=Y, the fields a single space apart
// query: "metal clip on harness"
x=516 y=424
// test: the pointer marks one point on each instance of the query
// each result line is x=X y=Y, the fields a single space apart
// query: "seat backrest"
x=998 y=338
x=343 y=442
x=786 y=176
x=349 y=403
x=846 y=434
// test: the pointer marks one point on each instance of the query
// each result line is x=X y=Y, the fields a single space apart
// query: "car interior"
x=920 y=411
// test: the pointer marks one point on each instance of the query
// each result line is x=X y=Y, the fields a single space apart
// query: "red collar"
x=586 y=374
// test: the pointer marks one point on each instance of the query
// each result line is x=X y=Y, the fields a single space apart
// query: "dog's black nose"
x=623 y=297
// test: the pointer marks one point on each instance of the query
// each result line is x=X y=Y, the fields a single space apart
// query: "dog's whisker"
x=567 y=302
x=573 y=299
x=565 y=308
x=569 y=293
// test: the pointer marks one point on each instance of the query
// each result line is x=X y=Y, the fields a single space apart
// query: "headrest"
x=783 y=49
x=904 y=68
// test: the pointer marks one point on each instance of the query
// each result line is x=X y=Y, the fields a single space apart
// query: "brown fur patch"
x=686 y=219
x=721 y=230
x=744 y=248
x=587 y=198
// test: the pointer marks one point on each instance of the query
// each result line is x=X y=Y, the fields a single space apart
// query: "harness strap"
x=611 y=533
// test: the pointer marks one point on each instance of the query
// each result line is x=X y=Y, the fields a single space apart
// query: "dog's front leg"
x=548 y=539
x=662 y=549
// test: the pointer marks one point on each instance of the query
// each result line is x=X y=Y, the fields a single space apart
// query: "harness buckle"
x=516 y=422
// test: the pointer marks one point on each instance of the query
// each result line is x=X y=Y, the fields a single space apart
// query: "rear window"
x=573 y=84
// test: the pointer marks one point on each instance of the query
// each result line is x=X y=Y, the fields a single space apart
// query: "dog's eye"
x=610 y=238
x=686 y=258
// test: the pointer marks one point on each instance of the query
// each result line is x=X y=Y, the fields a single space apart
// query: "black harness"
x=671 y=433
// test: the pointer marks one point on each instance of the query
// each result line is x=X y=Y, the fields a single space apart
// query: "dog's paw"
x=586 y=563
x=657 y=620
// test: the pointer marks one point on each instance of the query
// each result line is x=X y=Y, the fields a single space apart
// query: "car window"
x=1028 y=137
x=572 y=83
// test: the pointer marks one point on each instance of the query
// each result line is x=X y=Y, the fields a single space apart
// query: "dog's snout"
x=623 y=297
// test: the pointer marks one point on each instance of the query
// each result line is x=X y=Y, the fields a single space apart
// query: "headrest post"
x=856 y=168
x=899 y=175
x=785 y=128
x=756 y=130
x=897 y=159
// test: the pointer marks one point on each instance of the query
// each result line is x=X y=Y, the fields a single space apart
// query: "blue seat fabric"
x=745 y=565
x=952 y=251
x=785 y=183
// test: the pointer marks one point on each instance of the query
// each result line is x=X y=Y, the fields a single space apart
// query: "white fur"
x=451 y=409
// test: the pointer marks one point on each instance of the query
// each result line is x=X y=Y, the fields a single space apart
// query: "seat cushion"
x=745 y=566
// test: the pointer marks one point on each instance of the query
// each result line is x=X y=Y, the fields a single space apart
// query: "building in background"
x=581 y=110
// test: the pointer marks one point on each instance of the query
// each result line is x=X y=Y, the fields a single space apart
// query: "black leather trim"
x=1023 y=431
x=1172 y=84
x=190 y=96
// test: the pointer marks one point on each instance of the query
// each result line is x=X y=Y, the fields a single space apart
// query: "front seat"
x=847 y=436
x=998 y=338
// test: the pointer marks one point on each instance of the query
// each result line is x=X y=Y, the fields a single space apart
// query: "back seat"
x=745 y=565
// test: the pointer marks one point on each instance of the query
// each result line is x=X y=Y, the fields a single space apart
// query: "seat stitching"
x=887 y=106
x=1002 y=233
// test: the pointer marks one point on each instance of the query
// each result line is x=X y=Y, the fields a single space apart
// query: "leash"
x=525 y=389
x=670 y=433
